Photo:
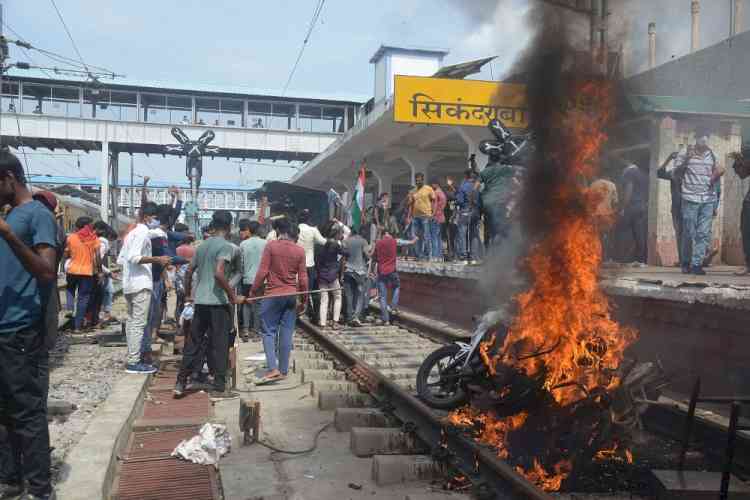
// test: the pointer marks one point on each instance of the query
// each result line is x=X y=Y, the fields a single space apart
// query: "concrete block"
x=331 y=400
x=400 y=374
x=396 y=363
x=332 y=385
x=313 y=364
x=369 y=441
x=308 y=354
x=393 y=469
x=346 y=418
x=310 y=375
x=696 y=485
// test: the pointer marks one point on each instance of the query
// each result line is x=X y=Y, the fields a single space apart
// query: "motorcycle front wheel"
x=439 y=384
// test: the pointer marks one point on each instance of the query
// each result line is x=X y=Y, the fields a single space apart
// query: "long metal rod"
x=726 y=473
x=309 y=292
x=689 y=422
x=479 y=464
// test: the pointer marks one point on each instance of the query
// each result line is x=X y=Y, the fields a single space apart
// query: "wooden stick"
x=235 y=370
x=253 y=299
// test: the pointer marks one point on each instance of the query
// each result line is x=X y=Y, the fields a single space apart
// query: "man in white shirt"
x=309 y=236
x=136 y=259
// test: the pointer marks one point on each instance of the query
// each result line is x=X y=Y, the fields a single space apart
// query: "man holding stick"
x=283 y=269
x=213 y=315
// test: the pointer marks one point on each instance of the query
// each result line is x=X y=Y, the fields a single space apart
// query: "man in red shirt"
x=284 y=271
x=438 y=221
x=385 y=258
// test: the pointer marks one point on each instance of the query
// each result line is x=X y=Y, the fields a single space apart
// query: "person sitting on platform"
x=283 y=271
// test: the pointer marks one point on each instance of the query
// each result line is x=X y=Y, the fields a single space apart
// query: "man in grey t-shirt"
x=213 y=264
x=356 y=251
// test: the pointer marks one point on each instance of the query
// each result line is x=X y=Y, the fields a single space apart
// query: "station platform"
x=694 y=325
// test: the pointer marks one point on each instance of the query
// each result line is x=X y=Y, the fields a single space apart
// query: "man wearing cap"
x=701 y=173
x=28 y=242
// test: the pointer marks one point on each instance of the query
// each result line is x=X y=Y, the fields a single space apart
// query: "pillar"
x=662 y=244
x=733 y=192
x=738 y=16
x=104 y=177
x=652 y=45
x=419 y=162
x=115 y=186
x=695 y=31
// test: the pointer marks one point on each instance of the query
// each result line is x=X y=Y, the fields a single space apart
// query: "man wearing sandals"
x=213 y=265
x=283 y=269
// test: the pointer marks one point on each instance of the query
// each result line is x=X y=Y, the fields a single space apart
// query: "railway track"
x=367 y=377
x=384 y=361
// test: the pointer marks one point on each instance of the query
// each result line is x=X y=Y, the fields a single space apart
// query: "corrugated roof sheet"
x=689 y=105
x=196 y=87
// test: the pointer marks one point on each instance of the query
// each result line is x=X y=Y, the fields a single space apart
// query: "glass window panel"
x=350 y=112
x=282 y=117
x=64 y=102
x=9 y=101
x=258 y=114
x=36 y=98
x=121 y=106
x=231 y=113
x=208 y=111
x=310 y=119
x=334 y=117
x=96 y=103
x=180 y=109
x=154 y=108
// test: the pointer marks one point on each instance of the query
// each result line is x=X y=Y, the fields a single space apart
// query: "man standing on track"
x=136 y=259
x=283 y=270
x=213 y=314
x=28 y=239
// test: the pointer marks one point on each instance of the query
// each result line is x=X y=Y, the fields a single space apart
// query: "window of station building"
x=283 y=117
x=9 y=98
x=208 y=111
x=154 y=108
x=37 y=98
x=119 y=106
x=96 y=103
x=334 y=118
x=231 y=113
x=258 y=114
x=311 y=119
x=180 y=109
x=65 y=101
x=350 y=113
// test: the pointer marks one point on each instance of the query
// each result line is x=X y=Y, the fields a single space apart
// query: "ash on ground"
x=82 y=375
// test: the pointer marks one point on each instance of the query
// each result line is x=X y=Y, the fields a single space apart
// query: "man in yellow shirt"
x=420 y=209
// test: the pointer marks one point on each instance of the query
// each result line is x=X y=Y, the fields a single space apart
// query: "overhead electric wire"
x=313 y=22
x=70 y=36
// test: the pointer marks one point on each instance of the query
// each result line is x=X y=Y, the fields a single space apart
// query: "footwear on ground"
x=140 y=368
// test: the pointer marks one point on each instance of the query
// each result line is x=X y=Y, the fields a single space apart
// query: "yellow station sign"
x=446 y=101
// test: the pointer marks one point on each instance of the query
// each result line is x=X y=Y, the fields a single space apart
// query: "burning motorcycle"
x=448 y=376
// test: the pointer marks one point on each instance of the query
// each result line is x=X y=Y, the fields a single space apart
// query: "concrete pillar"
x=695 y=31
x=662 y=244
x=418 y=162
x=652 y=45
x=739 y=14
x=104 y=176
x=733 y=192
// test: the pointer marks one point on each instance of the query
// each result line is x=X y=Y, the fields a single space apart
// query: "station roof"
x=407 y=50
x=244 y=91
x=709 y=106
x=89 y=181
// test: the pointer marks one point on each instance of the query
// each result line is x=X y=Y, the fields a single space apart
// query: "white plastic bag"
x=212 y=442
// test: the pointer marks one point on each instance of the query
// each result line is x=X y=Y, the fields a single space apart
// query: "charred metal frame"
x=734 y=427
x=493 y=478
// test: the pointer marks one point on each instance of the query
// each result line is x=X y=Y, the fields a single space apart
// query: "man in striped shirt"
x=701 y=173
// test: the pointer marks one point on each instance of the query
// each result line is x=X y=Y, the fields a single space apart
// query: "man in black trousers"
x=28 y=242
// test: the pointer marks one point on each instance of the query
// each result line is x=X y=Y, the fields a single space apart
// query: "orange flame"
x=564 y=314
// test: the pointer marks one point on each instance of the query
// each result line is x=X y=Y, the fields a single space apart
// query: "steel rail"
x=493 y=478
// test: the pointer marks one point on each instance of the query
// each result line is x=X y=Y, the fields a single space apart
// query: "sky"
x=255 y=43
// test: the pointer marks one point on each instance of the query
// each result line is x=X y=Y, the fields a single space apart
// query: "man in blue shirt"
x=468 y=204
x=28 y=241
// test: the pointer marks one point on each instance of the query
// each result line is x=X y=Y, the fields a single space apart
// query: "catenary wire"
x=313 y=21
x=70 y=36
